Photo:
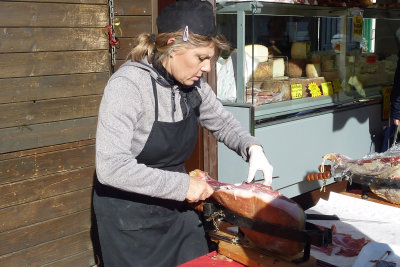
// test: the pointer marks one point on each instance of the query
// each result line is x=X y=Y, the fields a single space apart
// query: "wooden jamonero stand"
x=232 y=243
x=243 y=252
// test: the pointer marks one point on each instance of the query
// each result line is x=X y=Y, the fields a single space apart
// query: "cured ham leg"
x=260 y=202
x=379 y=165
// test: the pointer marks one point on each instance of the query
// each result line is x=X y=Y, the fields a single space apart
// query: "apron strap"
x=153 y=82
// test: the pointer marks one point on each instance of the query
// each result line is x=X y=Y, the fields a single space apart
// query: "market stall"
x=308 y=78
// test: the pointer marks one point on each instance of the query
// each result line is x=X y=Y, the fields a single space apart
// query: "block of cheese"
x=358 y=84
x=278 y=68
x=313 y=70
x=300 y=50
x=273 y=68
x=260 y=52
x=263 y=71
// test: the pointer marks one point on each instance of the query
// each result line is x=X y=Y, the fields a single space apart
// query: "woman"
x=147 y=128
x=395 y=94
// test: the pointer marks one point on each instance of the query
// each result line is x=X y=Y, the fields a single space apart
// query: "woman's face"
x=188 y=65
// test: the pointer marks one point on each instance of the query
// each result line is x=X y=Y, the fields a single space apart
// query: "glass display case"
x=306 y=80
x=305 y=55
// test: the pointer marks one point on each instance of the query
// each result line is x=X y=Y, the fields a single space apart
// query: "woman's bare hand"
x=198 y=190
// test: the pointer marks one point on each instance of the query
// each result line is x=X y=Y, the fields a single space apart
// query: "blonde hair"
x=158 y=49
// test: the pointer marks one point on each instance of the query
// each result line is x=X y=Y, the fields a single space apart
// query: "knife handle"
x=320 y=175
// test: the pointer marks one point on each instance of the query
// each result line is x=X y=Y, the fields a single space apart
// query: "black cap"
x=197 y=15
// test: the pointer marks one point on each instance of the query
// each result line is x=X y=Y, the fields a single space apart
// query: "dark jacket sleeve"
x=395 y=95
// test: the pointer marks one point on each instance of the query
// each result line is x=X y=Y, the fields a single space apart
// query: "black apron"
x=138 y=230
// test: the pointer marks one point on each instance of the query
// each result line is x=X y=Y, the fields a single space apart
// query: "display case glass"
x=290 y=58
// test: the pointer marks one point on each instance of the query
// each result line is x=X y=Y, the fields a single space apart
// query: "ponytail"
x=143 y=47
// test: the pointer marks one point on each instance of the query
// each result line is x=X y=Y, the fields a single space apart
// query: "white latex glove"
x=258 y=162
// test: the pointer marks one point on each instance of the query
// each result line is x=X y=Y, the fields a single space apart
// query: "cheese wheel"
x=300 y=50
x=296 y=68
x=273 y=68
x=313 y=70
x=260 y=52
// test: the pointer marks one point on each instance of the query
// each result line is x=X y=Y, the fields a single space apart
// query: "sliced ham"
x=343 y=244
x=260 y=202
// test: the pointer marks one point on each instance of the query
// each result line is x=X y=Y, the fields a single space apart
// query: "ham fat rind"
x=260 y=202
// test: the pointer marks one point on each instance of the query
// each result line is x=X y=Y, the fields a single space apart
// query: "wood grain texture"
x=44 y=187
x=44 y=164
x=48 y=149
x=14 y=40
x=34 y=112
x=118 y=64
x=43 y=210
x=46 y=134
x=104 y=2
x=137 y=7
x=83 y=259
x=125 y=48
x=13 y=65
x=49 y=87
x=33 y=14
x=134 y=25
x=210 y=144
x=248 y=257
x=43 y=232
x=49 y=252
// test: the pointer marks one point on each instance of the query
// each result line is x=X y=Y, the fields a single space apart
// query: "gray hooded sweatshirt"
x=125 y=120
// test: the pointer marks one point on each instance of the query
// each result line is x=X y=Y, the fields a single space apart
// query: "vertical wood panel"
x=210 y=143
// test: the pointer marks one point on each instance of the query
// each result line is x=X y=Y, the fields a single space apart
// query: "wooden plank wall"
x=54 y=64
x=135 y=17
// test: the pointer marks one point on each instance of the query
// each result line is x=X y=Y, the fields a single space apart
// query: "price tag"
x=357 y=26
x=337 y=86
x=315 y=91
x=297 y=90
x=386 y=102
x=327 y=88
